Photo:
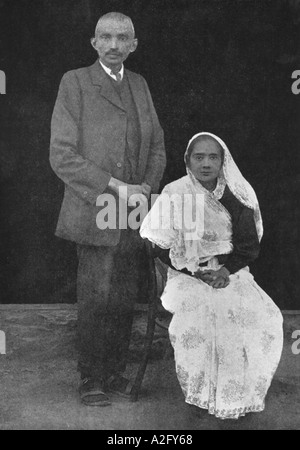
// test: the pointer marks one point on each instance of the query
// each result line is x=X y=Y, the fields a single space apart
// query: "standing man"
x=105 y=134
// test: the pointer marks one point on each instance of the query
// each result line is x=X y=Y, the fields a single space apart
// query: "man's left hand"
x=146 y=189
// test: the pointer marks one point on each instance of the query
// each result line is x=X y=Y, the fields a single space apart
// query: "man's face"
x=113 y=42
x=206 y=161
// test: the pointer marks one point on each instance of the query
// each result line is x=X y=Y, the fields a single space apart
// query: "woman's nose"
x=206 y=162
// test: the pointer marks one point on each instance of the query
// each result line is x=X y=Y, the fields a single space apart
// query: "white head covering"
x=238 y=185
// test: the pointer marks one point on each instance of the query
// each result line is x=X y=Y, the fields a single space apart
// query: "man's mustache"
x=113 y=53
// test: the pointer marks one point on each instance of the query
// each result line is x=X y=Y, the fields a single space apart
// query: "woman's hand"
x=206 y=276
x=219 y=283
x=215 y=278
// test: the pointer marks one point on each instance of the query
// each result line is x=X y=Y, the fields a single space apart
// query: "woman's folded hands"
x=216 y=278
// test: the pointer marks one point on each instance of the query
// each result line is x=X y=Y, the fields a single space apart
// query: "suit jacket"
x=88 y=138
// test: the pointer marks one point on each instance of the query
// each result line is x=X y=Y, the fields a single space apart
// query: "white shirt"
x=109 y=72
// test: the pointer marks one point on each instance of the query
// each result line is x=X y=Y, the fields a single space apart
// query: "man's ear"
x=94 y=42
x=134 y=45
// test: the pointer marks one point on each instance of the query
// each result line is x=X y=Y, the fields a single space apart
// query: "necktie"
x=117 y=75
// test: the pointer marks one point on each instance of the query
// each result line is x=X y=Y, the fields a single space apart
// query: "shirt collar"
x=108 y=71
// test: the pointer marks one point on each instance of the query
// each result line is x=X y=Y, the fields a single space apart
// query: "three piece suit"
x=101 y=129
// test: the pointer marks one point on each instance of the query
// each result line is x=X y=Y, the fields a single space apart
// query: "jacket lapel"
x=101 y=79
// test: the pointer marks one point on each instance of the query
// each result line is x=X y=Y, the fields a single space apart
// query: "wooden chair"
x=157 y=280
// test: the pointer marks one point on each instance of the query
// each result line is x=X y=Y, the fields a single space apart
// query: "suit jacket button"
x=119 y=165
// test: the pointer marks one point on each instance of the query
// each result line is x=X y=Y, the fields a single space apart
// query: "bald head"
x=116 y=17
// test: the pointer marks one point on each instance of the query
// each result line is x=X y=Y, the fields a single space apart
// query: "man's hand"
x=133 y=195
x=146 y=190
x=216 y=278
x=130 y=193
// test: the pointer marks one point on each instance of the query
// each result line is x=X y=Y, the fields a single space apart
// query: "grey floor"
x=39 y=382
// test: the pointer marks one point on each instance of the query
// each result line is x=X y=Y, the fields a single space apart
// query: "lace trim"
x=214 y=196
x=227 y=413
x=158 y=242
x=240 y=187
x=217 y=193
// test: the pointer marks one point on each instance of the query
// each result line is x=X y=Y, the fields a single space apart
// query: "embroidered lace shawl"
x=190 y=220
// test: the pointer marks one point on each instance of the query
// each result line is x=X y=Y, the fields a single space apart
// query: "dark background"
x=219 y=66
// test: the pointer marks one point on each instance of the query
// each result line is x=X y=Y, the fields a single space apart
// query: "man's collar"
x=109 y=72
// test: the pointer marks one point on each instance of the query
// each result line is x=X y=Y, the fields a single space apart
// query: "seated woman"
x=225 y=330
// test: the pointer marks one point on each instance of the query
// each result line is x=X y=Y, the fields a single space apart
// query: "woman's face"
x=206 y=161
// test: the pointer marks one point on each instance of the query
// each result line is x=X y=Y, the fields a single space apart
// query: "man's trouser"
x=108 y=283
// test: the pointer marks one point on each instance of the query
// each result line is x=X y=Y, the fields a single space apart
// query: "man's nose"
x=114 y=43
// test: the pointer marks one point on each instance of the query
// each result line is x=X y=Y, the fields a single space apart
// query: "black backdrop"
x=219 y=66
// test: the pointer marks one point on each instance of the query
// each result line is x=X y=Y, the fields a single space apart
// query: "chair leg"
x=146 y=353
x=152 y=310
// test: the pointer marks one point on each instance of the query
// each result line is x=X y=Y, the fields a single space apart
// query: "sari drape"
x=227 y=342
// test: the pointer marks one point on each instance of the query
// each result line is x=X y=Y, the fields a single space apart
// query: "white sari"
x=227 y=342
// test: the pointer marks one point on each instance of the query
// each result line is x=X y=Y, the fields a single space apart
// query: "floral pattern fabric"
x=227 y=342
x=190 y=241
